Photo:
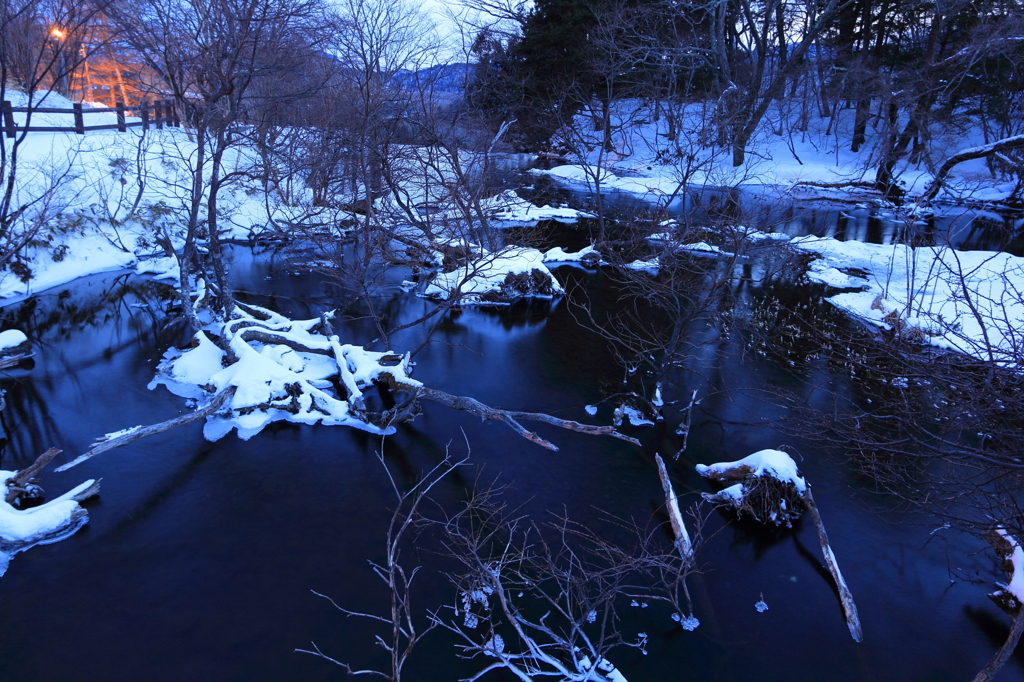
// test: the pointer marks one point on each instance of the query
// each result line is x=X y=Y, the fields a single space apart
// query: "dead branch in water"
x=852 y=619
x=682 y=542
x=143 y=431
x=19 y=484
x=512 y=418
x=471 y=405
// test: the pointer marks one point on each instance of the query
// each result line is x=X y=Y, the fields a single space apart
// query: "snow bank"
x=499 y=277
x=650 y=163
x=160 y=268
x=508 y=209
x=80 y=192
x=967 y=301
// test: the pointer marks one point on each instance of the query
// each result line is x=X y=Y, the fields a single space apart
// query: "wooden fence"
x=159 y=114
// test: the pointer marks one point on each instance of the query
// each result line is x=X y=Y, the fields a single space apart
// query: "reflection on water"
x=964 y=228
x=199 y=558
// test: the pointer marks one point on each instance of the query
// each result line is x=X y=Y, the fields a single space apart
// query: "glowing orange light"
x=57 y=33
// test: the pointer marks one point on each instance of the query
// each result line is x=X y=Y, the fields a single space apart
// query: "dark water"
x=199 y=558
x=969 y=229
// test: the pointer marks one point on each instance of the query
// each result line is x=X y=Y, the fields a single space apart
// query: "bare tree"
x=41 y=46
x=210 y=55
x=546 y=600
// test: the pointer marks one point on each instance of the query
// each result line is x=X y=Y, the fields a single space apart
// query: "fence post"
x=121 y=126
x=175 y=121
x=8 y=118
x=158 y=108
x=144 y=112
x=79 y=119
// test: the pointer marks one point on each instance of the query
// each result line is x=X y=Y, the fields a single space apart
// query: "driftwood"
x=683 y=543
x=849 y=608
x=12 y=360
x=512 y=418
x=19 y=485
x=105 y=444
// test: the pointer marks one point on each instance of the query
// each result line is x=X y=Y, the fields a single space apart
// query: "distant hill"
x=450 y=78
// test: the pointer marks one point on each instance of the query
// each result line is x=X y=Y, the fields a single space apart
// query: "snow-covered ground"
x=108 y=197
x=644 y=163
x=968 y=301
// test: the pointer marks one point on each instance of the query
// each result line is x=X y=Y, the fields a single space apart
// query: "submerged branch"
x=852 y=619
x=140 y=432
x=18 y=485
x=683 y=543
x=512 y=418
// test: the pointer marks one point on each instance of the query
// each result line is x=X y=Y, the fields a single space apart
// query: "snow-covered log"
x=497 y=277
x=998 y=147
x=767 y=486
x=22 y=529
x=771 y=489
x=1009 y=597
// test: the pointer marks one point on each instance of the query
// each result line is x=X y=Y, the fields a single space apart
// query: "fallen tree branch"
x=12 y=360
x=999 y=146
x=18 y=485
x=512 y=418
x=852 y=619
x=139 y=432
x=860 y=184
x=675 y=516
x=1005 y=651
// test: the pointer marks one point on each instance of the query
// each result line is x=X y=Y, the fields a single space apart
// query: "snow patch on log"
x=22 y=529
x=774 y=463
x=1009 y=596
x=508 y=209
x=12 y=338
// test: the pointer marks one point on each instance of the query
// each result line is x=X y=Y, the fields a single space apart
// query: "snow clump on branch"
x=770 y=486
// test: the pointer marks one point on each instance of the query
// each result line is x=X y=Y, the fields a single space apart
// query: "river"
x=199 y=558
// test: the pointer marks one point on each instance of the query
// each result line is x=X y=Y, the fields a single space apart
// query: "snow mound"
x=496 y=278
x=774 y=463
x=770 y=486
